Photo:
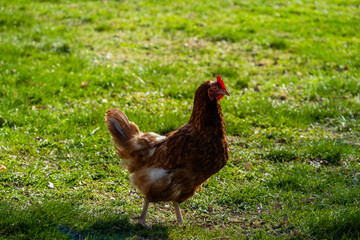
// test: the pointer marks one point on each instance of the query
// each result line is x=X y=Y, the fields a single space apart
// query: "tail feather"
x=120 y=128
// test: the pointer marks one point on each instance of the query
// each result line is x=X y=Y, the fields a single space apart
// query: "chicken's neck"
x=207 y=116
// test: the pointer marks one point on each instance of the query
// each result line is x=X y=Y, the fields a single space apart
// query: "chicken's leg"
x=141 y=219
x=178 y=213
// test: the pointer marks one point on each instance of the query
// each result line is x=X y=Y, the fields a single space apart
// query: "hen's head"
x=217 y=89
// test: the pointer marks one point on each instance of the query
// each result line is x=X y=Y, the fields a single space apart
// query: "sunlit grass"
x=291 y=67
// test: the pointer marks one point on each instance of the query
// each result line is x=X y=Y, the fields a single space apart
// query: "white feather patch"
x=156 y=173
x=160 y=138
x=152 y=134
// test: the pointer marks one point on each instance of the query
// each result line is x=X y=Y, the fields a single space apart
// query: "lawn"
x=293 y=118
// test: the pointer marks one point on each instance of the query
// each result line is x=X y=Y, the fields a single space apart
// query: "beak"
x=225 y=92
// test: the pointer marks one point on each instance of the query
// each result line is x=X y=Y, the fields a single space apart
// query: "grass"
x=291 y=67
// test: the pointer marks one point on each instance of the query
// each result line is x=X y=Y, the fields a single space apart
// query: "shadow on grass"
x=120 y=228
x=55 y=220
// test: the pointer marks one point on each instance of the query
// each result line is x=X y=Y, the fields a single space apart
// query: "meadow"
x=293 y=116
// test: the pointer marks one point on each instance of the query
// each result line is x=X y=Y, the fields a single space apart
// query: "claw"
x=141 y=220
x=179 y=222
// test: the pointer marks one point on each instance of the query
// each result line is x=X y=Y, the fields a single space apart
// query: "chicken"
x=173 y=167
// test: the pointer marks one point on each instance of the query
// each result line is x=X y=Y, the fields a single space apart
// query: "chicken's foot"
x=141 y=219
x=178 y=213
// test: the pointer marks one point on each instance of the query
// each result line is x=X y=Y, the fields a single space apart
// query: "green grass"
x=292 y=69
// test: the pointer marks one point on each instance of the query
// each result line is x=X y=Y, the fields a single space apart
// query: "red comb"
x=219 y=80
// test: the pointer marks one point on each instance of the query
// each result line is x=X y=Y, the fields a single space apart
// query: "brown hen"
x=174 y=166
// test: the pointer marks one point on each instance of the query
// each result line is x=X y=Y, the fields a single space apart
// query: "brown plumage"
x=174 y=166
